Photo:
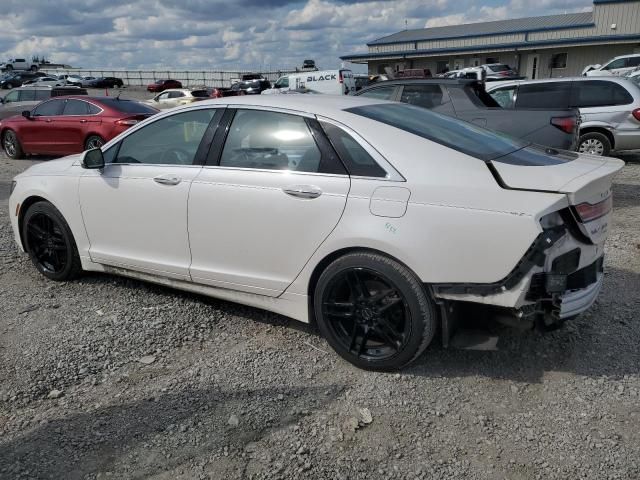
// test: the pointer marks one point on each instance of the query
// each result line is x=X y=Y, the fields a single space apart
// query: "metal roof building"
x=539 y=47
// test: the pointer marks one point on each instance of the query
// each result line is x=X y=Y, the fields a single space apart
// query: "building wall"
x=577 y=59
x=625 y=16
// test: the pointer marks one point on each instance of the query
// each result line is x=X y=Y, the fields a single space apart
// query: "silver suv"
x=609 y=107
x=25 y=98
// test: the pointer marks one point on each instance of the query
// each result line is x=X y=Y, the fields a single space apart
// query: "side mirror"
x=26 y=114
x=93 y=159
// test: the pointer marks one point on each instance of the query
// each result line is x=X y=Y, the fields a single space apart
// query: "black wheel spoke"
x=384 y=325
x=357 y=285
x=36 y=231
x=386 y=338
x=361 y=342
x=340 y=309
x=391 y=303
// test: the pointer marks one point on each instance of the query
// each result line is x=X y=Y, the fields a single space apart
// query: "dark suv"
x=25 y=98
x=252 y=87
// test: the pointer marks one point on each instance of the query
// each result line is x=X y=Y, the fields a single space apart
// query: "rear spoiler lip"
x=496 y=175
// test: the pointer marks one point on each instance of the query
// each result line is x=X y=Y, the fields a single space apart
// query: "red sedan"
x=66 y=125
x=162 y=85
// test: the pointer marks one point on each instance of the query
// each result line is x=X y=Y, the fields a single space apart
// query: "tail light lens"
x=588 y=212
x=340 y=78
x=129 y=121
x=566 y=124
x=636 y=114
x=215 y=93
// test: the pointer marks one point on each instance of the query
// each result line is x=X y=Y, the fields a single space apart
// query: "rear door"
x=76 y=124
x=42 y=133
x=265 y=202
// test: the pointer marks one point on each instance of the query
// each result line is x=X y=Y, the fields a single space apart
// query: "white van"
x=333 y=82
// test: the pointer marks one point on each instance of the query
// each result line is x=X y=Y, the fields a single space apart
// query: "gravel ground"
x=108 y=378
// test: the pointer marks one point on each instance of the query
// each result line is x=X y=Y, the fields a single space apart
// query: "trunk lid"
x=585 y=179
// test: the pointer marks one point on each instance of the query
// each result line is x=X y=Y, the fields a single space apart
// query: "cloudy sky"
x=252 y=34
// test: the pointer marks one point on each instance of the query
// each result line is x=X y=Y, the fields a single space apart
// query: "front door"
x=258 y=215
x=42 y=132
x=532 y=69
x=135 y=211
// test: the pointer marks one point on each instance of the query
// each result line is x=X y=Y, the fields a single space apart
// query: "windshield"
x=450 y=132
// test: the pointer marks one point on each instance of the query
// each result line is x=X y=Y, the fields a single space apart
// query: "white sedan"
x=175 y=97
x=374 y=220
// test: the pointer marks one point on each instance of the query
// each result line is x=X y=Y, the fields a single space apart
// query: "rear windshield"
x=127 y=106
x=450 y=132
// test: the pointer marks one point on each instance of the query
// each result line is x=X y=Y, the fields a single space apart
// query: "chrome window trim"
x=393 y=175
x=273 y=170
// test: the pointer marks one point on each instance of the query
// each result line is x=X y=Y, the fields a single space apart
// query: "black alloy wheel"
x=49 y=242
x=374 y=311
x=367 y=314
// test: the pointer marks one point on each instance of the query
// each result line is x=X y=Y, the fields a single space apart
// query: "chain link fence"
x=188 y=78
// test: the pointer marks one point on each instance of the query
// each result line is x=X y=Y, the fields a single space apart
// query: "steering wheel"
x=176 y=156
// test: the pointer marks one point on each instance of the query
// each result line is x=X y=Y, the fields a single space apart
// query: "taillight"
x=127 y=122
x=636 y=114
x=215 y=93
x=340 y=78
x=589 y=212
x=566 y=124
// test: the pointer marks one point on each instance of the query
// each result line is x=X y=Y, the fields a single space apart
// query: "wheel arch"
x=329 y=258
x=24 y=206
x=599 y=129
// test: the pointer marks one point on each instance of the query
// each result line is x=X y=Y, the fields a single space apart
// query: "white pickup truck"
x=19 y=64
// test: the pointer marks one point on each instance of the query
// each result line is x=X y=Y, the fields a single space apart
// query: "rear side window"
x=599 y=93
x=380 y=93
x=426 y=96
x=354 y=156
x=271 y=141
x=633 y=62
x=450 y=132
x=76 y=107
x=27 y=95
x=200 y=94
x=505 y=97
x=128 y=106
x=550 y=95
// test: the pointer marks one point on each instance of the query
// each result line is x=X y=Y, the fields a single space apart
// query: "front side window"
x=619 y=63
x=283 y=82
x=49 y=109
x=11 y=97
x=270 y=141
x=426 y=96
x=504 y=96
x=599 y=93
x=380 y=93
x=76 y=107
x=450 y=132
x=551 y=95
x=171 y=140
x=354 y=156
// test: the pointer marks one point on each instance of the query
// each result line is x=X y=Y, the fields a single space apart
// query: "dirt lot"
x=107 y=378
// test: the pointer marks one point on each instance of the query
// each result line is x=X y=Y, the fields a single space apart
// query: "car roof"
x=626 y=56
x=324 y=105
x=409 y=81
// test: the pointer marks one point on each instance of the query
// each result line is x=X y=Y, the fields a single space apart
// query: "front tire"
x=374 y=311
x=49 y=242
x=94 y=141
x=594 y=143
x=11 y=145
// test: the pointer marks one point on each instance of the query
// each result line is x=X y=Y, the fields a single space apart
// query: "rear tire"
x=49 y=242
x=11 y=145
x=594 y=143
x=94 y=141
x=373 y=311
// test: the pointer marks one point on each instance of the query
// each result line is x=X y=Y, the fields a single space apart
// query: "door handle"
x=167 y=180
x=48 y=120
x=83 y=121
x=303 y=191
